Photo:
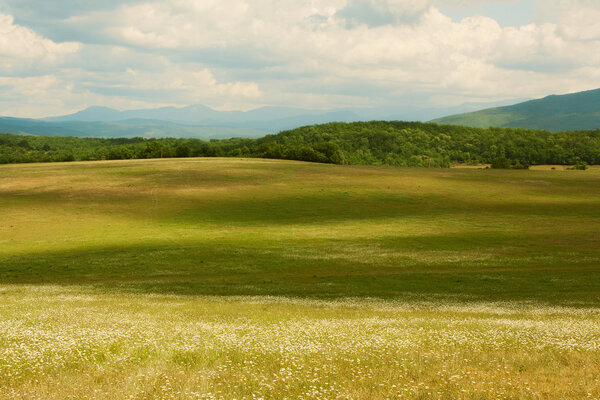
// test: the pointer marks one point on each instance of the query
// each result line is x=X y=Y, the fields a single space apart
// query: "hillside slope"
x=576 y=111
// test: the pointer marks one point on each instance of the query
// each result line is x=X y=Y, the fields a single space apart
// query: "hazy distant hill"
x=577 y=111
x=126 y=128
x=266 y=119
x=271 y=119
x=198 y=121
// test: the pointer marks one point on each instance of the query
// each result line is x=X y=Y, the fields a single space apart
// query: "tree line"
x=360 y=143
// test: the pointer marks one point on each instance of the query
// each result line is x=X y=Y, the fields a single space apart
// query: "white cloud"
x=254 y=52
x=76 y=88
x=287 y=36
x=21 y=46
x=581 y=24
x=193 y=84
x=49 y=95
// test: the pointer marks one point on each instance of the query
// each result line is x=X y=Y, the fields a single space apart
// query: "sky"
x=61 y=56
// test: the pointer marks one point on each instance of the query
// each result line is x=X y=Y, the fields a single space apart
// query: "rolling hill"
x=576 y=111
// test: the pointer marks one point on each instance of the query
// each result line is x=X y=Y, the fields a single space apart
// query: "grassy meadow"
x=245 y=278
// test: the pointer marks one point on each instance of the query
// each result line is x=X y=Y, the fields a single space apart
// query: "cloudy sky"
x=59 y=56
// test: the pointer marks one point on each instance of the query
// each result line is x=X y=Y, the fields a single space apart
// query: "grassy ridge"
x=242 y=278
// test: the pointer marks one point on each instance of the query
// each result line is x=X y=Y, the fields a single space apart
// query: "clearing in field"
x=238 y=278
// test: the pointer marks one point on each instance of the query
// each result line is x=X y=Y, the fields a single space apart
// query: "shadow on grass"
x=301 y=207
x=467 y=267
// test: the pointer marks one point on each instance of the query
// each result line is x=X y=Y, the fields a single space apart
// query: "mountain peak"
x=90 y=114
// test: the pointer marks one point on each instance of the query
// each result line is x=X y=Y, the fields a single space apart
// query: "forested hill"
x=554 y=113
x=369 y=143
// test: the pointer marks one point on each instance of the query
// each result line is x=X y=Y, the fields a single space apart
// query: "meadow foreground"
x=236 y=278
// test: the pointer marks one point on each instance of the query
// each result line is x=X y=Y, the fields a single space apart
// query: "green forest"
x=393 y=143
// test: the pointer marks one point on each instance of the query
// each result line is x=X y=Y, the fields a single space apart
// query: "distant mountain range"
x=126 y=129
x=199 y=121
x=266 y=118
x=576 y=111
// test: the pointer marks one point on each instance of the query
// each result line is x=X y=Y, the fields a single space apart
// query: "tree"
x=501 y=163
x=183 y=150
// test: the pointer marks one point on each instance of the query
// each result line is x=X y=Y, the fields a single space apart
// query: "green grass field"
x=238 y=278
